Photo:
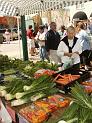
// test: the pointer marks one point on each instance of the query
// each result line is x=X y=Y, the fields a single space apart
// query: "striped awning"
x=26 y=7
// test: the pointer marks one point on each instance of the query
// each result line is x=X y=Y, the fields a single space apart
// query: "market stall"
x=38 y=92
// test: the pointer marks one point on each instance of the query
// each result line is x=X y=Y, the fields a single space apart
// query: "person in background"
x=40 y=37
x=69 y=48
x=30 y=37
x=46 y=28
x=86 y=55
x=52 y=41
x=90 y=27
x=7 y=36
x=62 y=32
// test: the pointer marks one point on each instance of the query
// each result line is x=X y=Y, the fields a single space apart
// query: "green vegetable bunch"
x=80 y=111
x=4 y=63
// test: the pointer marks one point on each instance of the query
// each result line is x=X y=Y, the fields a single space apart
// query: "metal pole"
x=24 y=39
x=18 y=18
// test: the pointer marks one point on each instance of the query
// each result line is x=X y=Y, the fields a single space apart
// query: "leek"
x=18 y=102
x=20 y=95
x=2 y=88
x=81 y=97
x=37 y=96
x=3 y=93
x=42 y=87
x=17 y=87
x=9 y=72
x=21 y=101
x=37 y=82
x=9 y=96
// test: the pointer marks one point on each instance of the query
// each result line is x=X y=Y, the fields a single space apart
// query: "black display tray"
x=84 y=75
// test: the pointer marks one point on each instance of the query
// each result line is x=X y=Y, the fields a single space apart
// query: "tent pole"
x=24 y=39
x=18 y=18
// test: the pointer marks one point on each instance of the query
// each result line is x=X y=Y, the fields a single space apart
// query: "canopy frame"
x=27 y=7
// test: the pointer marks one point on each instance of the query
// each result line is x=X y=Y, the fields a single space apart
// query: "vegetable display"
x=28 y=90
x=66 y=79
x=80 y=111
x=37 y=85
x=87 y=86
x=41 y=110
x=39 y=88
x=41 y=72
x=11 y=88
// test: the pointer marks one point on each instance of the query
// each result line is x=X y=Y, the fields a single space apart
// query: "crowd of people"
x=69 y=45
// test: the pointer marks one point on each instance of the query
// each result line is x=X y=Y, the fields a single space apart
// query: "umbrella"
x=80 y=16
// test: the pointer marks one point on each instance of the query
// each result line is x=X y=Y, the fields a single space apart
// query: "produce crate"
x=84 y=74
x=41 y=110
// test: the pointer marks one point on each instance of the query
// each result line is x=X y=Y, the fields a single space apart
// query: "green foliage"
x=30 y=69
x=46 y=65
x=80 y=109
x=42 y=87
x=81 y=97
x=9 y=72
x=4 y=63
x=26 y=67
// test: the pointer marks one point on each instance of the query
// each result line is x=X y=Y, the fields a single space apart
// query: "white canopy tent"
x=26 y=7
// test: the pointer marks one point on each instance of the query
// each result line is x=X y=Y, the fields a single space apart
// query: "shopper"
x=69 y=48
x=90 y=27
x=86 y=55
x=52 y=41
x=30 y=37
x=40 y=37
x=62 y=32
x=7 y=36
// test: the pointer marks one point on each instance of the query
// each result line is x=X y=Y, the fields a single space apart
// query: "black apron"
x=65 y=40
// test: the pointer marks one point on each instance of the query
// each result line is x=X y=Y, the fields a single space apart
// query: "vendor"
x=69 y=48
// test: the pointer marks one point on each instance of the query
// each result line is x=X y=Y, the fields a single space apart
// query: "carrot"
x=70 y=77
x=62 y=82
x=87 y=83
x=57 y=77
x=76 y=76
x=65 y=76
x=63 y=79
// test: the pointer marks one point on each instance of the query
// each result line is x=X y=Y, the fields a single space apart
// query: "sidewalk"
x=14 y=50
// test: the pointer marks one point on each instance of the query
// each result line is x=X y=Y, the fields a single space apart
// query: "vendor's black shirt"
x=52 y=40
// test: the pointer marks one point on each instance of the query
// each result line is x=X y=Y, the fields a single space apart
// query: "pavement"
x=14 y=50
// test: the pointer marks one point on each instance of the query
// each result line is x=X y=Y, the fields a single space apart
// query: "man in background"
x=52 y=41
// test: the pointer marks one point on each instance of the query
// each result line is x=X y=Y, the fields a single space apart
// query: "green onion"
x=2 y=88
x=9 y=96
x=3 y=93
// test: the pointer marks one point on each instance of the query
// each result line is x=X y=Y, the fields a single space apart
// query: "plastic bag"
x=5 y=117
